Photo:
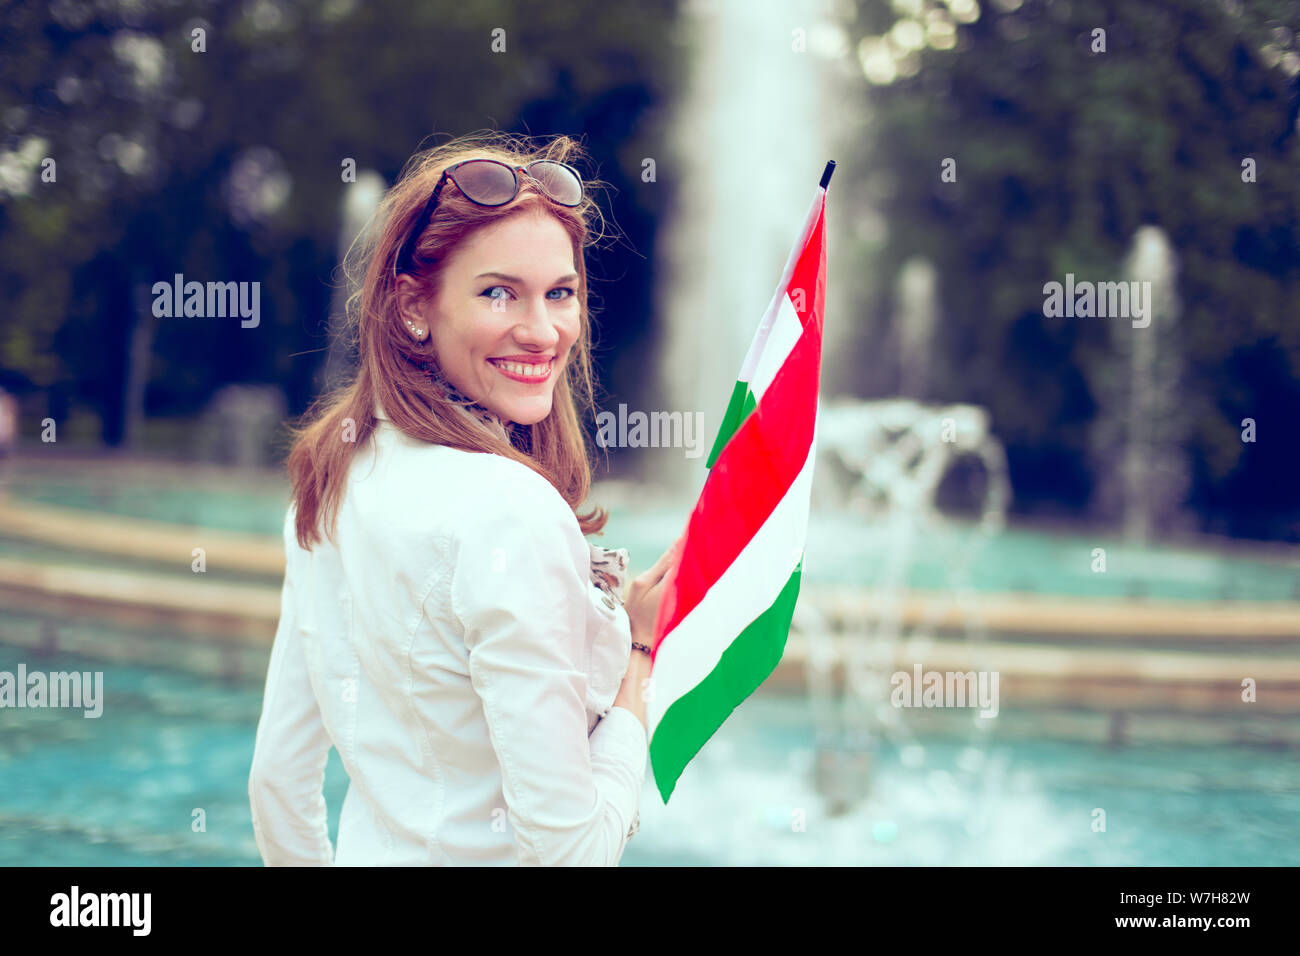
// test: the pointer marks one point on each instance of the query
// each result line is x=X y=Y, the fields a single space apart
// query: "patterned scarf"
x=469 y=408
x=608 y=565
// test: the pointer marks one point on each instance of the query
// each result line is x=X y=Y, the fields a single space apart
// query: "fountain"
x=916 y=293
x=356 y=209
x=752 y=134
x=895 y=455
x=898 y=453
x=1141 y=430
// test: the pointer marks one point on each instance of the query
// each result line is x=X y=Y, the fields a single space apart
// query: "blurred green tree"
x=225 y=165
x=1062 y=151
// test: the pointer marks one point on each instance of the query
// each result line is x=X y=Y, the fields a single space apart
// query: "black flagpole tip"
x=826 y=176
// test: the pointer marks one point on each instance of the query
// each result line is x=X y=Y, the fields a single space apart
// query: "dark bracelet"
x=642 y=647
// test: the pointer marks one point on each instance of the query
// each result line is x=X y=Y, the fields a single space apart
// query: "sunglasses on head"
x=490 y=182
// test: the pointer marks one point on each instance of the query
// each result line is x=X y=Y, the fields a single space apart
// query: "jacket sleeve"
x=285 y=783
x=520 y=592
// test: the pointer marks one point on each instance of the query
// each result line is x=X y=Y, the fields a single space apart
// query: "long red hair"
x=388 y=369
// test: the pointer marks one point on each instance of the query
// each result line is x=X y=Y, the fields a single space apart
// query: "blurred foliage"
x=225 y=165
x=1061 y=154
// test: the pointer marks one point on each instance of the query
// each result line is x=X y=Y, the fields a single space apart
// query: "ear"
x=412 y=307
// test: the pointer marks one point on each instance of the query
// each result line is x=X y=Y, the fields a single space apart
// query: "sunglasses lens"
x=558 y=181
x=485 y=181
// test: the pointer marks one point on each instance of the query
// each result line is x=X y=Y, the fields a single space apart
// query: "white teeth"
x=529 y=371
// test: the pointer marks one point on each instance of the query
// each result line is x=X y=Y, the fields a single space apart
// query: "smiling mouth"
x=531 y=373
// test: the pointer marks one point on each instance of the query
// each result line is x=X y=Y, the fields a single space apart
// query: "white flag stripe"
x=785 y=332
x=691 y=650
x=759 y=342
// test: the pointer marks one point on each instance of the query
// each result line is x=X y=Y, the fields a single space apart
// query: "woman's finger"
x=666 y=559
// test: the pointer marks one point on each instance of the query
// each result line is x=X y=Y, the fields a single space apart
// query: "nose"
x=536 y=330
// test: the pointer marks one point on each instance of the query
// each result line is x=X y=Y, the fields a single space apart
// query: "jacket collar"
x=473 y=411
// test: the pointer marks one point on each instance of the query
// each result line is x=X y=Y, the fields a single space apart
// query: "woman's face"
x=506 y=316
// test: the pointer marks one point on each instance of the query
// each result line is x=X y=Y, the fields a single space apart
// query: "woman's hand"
x=646 y=590
x=642 y=606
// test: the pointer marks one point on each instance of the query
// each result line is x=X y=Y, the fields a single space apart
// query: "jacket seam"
x=502 y=748
x=439 y=572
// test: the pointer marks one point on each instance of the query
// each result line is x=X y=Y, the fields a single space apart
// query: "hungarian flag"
x=726 y=607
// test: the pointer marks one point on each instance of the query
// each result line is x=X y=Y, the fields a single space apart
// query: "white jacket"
x=454 y=650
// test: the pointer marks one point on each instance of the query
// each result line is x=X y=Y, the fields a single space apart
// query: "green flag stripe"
x=738 y=408
x=695 y=716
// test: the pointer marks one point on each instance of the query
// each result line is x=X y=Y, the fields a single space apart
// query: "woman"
x=444 y=623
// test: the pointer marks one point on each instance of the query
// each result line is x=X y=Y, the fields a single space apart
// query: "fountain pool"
x=122 y=790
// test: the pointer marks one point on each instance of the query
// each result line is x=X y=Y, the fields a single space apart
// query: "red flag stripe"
x=747 y=481
x=756 y=468
x=810 y=275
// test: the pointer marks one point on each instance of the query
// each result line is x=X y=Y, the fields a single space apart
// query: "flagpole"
x=826 y=175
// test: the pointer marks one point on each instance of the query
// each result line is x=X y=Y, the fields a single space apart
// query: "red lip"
x=523 y=359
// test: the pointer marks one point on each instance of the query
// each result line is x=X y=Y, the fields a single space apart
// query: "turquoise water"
x=841 y=548
x=259 y=510
x=122 y=790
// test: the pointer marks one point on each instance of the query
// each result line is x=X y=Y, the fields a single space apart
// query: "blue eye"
x=572 y=292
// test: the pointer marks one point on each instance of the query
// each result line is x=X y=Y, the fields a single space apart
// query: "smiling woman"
x=444 y=625
x=475 y=258
x=503 y=336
